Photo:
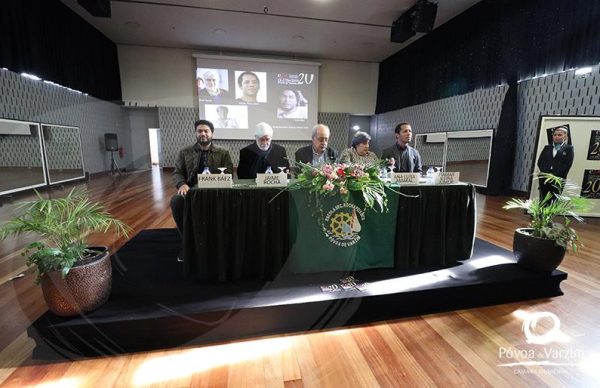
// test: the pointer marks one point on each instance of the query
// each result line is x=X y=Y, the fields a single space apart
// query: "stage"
x=153 y=306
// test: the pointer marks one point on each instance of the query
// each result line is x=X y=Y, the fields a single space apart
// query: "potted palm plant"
x=543 y=244
x=75 y=278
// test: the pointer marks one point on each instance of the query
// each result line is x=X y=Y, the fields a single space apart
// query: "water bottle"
x=430 y=174
x=206 y=170
x=383 y=174
x=269 y=170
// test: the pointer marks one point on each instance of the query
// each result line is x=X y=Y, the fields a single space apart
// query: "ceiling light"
x=219 y=31
x=297 y=38
x=583 y=70
x=355 y=127
x=31 y=76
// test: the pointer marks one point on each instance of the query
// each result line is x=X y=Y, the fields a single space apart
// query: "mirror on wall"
x=64 y=156
x=432 y=147
x=467 y=152
x=21 y=160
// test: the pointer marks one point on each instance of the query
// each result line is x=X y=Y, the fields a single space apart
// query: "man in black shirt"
x=406 y=158
x=258 y=156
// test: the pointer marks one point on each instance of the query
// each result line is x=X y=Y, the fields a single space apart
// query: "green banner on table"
x=346 y=238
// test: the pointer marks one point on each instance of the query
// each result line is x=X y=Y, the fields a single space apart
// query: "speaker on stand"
x=112 y=144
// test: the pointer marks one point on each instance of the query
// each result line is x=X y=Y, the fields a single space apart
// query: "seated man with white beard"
x=258 y=156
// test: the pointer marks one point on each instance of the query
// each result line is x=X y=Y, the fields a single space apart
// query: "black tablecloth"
x=242 y=233
x=436 y=229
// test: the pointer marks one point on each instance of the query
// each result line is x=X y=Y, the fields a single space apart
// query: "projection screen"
x=236 y=93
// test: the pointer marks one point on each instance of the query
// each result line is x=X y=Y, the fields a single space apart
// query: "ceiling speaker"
x=98 y=8
x=424 y=13
x=402 y=29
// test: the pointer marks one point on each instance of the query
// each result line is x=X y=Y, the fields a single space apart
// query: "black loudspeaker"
x=110 y=142
x=424 y=14
x=419 y=18
x=98 y=8
x=402 y=29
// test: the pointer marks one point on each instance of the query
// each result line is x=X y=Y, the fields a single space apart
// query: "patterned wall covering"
x=558 y=94
x=63 y=147
x=36 y=101
x=431 y=153
x=476 y=110
x=459 y=150
x=177 y=132
x=477 y=148
x=20 y=151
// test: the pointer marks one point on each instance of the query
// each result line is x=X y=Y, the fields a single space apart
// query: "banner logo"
x=342 y=224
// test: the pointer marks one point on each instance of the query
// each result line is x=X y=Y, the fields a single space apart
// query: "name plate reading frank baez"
x=215 y=181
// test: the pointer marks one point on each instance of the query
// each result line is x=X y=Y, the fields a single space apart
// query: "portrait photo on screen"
x=251 y=86
x=227 y=116
x=213 y=85
x=292 y=105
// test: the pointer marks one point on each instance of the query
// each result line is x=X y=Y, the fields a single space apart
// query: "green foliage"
x=340 y=179
x=550 y=215
x=62 y=224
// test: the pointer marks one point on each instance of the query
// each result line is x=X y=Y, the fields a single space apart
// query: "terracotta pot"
x=84 y=289
x=536 y=254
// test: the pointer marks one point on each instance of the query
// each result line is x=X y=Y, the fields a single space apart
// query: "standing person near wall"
x=557 y=159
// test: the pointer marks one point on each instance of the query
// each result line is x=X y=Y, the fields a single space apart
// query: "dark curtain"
x=46 y=38
x=503 y=147
x=493 y=42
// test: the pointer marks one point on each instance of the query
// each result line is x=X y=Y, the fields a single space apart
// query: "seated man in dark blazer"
x=318 y=153
x=406 y=158
x=258 y=156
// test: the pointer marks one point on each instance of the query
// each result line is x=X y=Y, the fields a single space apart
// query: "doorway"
x=155 y=146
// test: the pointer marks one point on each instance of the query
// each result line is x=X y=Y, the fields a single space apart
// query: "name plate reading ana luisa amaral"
x=406 y=178
x=215 y=181
x=447 y=178
x=271 y=180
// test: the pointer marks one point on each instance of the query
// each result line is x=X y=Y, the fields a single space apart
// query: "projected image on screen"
x=251 y=87
x=227 y=116
x=213 y=85
x=292 y=105
x=236 y=93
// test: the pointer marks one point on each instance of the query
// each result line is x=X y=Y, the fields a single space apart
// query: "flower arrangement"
x=340 y=179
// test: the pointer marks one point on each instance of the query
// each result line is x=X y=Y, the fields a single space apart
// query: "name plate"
x=406 y=178
x=446 y=178
x=215 y=180
x=271 y=180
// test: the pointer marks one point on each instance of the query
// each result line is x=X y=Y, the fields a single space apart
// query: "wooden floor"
x=460 y=348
